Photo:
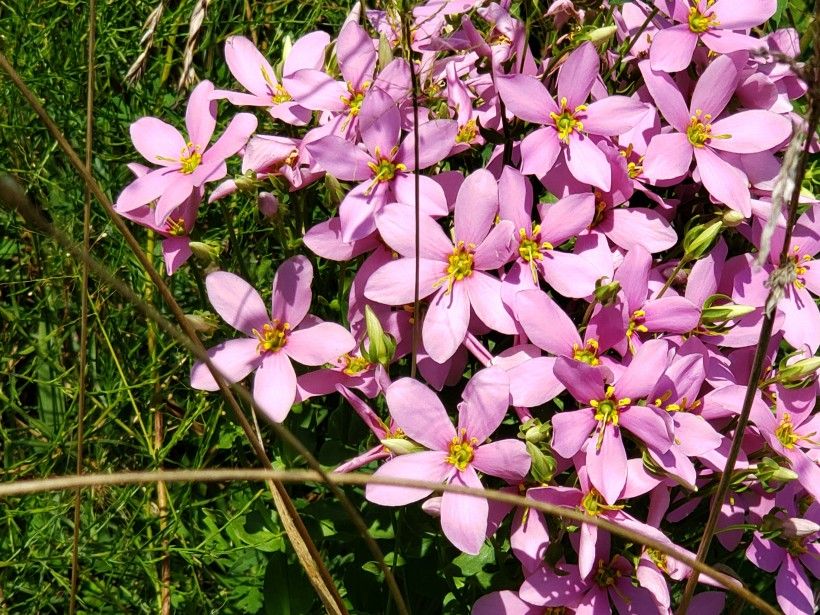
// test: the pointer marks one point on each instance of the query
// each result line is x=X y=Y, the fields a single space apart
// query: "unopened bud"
x=700 y=238
x=543 y=465
x=247 y=182
x=598 y=36
x=732 y=218
x=206 y=252
x=795 y=527
x=334 y=189
x=382 y=346
x=401 y=446
x=799 y=371
x=606 y=293
x=268 y=204
x=768 y=470
x=723 y=312
x=534 y=431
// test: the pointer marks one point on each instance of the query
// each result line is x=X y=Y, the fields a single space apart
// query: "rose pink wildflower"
x=455 y=454
x=272 y=339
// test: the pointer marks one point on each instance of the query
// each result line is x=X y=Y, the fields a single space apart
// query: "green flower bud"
x=543 y=465
x=799 y=372
x=382 y=346
x=401 y=446
x=334 y=189
x=700 y=238
x=207 y=252
x=732 y=218
x=598 y=36
x=606 y=293
x=725 y=311
x=203 y=322
x=535 y=432
x=768 y=470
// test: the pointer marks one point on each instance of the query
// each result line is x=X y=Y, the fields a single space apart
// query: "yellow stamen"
x=272 y=337
x=567 y=122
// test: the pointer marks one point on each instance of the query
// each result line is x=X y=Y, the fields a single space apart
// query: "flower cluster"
x=585 y=264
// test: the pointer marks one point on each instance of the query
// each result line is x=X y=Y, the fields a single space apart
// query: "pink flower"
x=272 y=340
x=713 y=24
x=454 y=272
x=185 y=164
x=699 y=132
x=566 y=128
x=454 y=455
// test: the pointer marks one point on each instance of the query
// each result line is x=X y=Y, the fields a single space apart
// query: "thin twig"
x=83 y=363
x=414 y=81
x=25 y=487
x=775 y=287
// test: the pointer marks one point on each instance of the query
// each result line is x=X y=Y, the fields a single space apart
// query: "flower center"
x=699 y=132
x=608 y=411
x=797 y=268
x=355 y=365
x=175 y=228
x=354 y=98
x=272 y=337
x=467 y=133
x=459 y=265
x=606 y=576
x=567 y=122
x=588 y=353
x=280 y=94
x=786 y=435
x=633 y=168
x=636 y=323
x=593 y=504
x=384 y=169
x=530 y=249
x=190 y=158
x=461 y=451
x=659 y=559
x=700 y=23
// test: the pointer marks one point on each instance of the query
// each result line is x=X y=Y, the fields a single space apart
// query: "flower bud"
x=543 y=465
x=382 y=346
x=768 y=470
x=207 y=252
x=534 y=431
x=721 y=313
x=401 y=446
x=268 y=204
x=335 y=191
x=700 y=238
x=732 y=218
x=247 y=182
x=795 y=527
x=799 y=371
x=606 y=293
x=598 y=36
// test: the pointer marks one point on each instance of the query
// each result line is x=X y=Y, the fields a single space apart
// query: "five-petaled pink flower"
x=272 y=340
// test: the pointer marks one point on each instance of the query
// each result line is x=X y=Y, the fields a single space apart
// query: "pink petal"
x=506 y=602
x=248 y=66
x=445 y=324
x=794 y=590
x=145 y=189
x=583 y=381
x=234 y=138
x=432 y=200
x=723 y=181
x=607 y=465
x=486 y=399
x=570 y=275
x=533 y=383
x=715 y=87
x=647 y=425
x=750 y=132
x=427 y=465
x=274 y=386
x=234 y=359
x=325 y=240
x=566 y=217
x=571 y=430
x=464 y=517
x=318 y=344
x=396 y=224
x=577 y=74
x=588 y=164
x=672 y=48
x=340 y=158
x=496 y=248
x=307 y=52
x=358 y=209
x=546 y=325
x=236 y=301
x=668 y=156
x=476 y=206
x=507 y=459
x=636 y=226
x=649 y=363
x=666 y=94
x=633 y=275
x=393 y=283
x=420 y=414
x=527 y=98
x=291 y=290
x=175 y=193
x=356 y=54
x=379 y=122
x=436 y=139
x=176 y=250
x=484 y=292
x=734 y=15
x=671 y=315
x=539 y=151
x=614 y=115
x=200 y=115
x=316 y=90
x=158 y=142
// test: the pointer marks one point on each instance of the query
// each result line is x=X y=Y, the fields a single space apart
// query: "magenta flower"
x=385 y=164
x=454 y=455
x=254 y=72
x=453 y=271
x=185 y=164
x=699 y=132
x=272 y=340
x=566 y=128
x=713 y=23
x=607 y=408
